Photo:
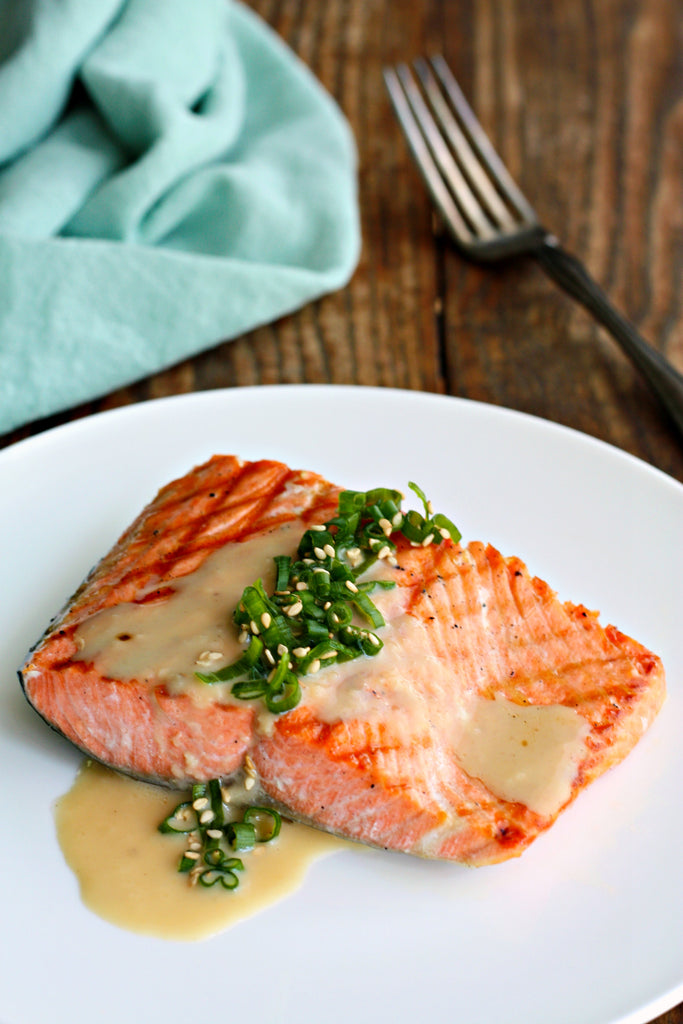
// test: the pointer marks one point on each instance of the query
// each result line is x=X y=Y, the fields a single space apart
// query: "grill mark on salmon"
x=388 y=769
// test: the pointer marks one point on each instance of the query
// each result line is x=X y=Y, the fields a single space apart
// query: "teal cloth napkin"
x=171 y=176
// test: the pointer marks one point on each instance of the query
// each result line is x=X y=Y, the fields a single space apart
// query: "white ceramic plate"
x=584 y=928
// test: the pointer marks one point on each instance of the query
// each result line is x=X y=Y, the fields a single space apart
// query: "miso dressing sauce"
x=524 y=753
x=127 y=870
x=191 y=630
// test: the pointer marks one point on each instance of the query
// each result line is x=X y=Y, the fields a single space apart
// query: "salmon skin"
x=490 y=707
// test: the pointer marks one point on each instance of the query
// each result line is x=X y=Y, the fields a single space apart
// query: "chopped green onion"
x=241 y=835
x=182 y=820
x=255 y=815
x=209 y=858
x=317 y=594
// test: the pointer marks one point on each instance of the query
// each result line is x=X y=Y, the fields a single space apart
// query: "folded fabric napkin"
x=171 y=175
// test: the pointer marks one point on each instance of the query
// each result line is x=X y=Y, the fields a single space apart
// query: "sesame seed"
x=226 y=794
x=249 y=766
x=302 y=585
x=429 y=539
x=269 y=657
x=385 y=526
x=430 y=508
x=328 y=604
x=444 y=533
x=329 y=550
x=301 y=652
x=294 y=609
x=200 y=803
x=266 y=620
x=191 y=854
x=350 y=585
x=319 y=553
x=254 y=627
x=314 y=666
x=206 y=817
x=374 y=640
x=383 y=552
x=214 y=833
x=397 y=520
x=318 y=528
x=282 y=650
x=207 y=657
x=328 y=654
x=243 y=636
x=196 y=846
x=307 y=561
x=355 y=556
x=249 y=782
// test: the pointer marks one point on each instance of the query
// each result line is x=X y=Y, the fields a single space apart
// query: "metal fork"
x=488 y=216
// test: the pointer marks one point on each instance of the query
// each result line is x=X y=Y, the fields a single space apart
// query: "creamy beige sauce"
x=127 y=870
x=169 y=639
x=524 y=753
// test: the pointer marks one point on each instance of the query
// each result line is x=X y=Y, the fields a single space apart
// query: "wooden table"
x=584 y=101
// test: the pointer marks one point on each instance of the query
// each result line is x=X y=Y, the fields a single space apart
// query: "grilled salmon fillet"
x=490 y=707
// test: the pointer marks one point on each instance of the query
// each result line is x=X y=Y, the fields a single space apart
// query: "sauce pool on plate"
x=107 y=826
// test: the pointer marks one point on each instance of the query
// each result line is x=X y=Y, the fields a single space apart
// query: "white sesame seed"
x=307 y=561
x=214 y=833
x=328 y=604
x=383 y=552
x=302 y=585
x=249 y=782
x=327 y=655
x=318 y=528
x=294 y=609
x=254 y=627
x=374 y=640
x=206 y=817
x=314 y=666
x=196 y=846
x=444 y=533
x=355 y=556
x=266 y=620
x=329 y=550
x=200 y=803
x=429 y=539
x=226 y=794
x=350 y=585
x=249 y=765
x=282 y=650
x=191 y=854
x=243 y=636
x=397 y=520
x=269 y=656
x=385 y=526
x=319 y=553
x=301 y=652
x=430 y=508
x=207 y=657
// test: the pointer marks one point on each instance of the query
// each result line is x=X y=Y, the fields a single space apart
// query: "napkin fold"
x=171 y=176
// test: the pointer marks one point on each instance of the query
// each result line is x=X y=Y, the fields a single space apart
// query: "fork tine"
x=468 y=160
x=469 y=205
x=481 y=142
x=424 y=160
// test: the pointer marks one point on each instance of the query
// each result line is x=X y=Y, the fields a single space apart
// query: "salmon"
x=491 y=706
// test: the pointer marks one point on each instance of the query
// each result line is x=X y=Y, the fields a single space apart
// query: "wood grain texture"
x=584 y=101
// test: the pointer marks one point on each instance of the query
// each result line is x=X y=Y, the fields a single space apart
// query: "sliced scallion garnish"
x=306 y=623
x=213 y=841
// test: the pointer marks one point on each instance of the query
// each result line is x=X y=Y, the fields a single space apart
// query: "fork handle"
x=572 y=276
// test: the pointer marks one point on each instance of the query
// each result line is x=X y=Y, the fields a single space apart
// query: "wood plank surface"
x=584 y=101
